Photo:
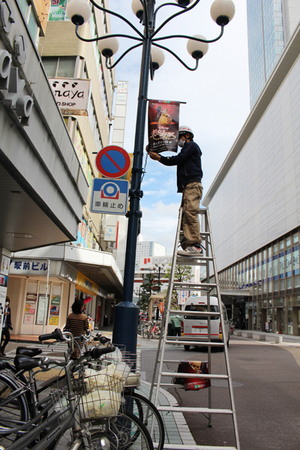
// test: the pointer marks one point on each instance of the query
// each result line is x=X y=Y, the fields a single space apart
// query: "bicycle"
x=66 y=408
x=140 y=405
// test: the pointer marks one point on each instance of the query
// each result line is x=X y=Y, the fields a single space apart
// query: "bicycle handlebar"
x=96 y=352
x=57 y=335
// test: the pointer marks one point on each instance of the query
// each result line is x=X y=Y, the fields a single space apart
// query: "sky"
x=216 y=96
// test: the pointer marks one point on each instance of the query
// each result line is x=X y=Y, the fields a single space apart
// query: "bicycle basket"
x=104 y=398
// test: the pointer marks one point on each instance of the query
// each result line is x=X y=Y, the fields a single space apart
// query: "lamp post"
x=222 y=11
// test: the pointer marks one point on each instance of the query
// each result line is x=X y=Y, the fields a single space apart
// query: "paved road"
x=266 y=382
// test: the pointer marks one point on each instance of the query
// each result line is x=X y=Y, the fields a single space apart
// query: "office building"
x=254 y=204
x=271 y=24
x=146 y=249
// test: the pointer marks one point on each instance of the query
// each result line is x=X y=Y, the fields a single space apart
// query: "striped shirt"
x=77 y=324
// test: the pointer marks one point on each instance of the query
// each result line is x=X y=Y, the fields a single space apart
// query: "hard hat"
x=184 y=129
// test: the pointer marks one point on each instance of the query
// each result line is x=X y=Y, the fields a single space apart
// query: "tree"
x=182 y=273
x=149 y=286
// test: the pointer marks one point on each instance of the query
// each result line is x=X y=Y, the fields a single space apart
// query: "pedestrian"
x=189 y=176
x=6 y=327
x=177 y=325
x=77 y=324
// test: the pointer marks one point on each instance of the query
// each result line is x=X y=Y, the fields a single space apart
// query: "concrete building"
x=44 y=281
x=146 y=249
x=43 y=185
x=271 y=24
x=254 y=202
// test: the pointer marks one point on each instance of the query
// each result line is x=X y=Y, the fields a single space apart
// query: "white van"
x=194 y=327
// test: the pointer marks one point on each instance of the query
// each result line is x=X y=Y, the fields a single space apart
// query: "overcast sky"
x=216 y=96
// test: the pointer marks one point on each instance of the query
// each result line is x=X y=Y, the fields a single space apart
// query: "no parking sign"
x=113 y=161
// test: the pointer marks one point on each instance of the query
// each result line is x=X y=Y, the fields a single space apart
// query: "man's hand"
x=154 y=156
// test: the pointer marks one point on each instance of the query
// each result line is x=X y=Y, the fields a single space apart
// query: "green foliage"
x=150 y=286
x=182 y=273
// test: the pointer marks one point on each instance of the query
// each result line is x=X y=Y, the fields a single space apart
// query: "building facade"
x=43 y=185
x=148 y=248
x=254 y=203
x=271 y=24
x=45 y=281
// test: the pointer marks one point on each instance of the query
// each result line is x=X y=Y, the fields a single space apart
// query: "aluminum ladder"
x=209 y=285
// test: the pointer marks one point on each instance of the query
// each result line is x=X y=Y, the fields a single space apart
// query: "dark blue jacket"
x=188 y=163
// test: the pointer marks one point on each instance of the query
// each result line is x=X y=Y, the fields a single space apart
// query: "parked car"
x=195 y=327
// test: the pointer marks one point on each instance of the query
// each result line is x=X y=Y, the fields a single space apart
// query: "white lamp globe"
x=222 y=11
x=78 y=11
x=137 y=8
x=197 y=49
x=108 y=47
x=157 y=57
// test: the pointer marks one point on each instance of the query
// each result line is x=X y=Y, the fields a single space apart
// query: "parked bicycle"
x=81 y=412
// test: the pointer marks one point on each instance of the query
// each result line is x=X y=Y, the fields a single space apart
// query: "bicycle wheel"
x=144 y=409
x=13 y=409
x=100 y=441
x=129 y=431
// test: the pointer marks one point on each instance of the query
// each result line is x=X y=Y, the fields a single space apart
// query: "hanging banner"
x=163 y=118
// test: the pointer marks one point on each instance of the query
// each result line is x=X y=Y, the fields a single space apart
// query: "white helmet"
x=184 y=129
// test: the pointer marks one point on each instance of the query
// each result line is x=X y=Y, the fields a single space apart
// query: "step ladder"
x=208 y=286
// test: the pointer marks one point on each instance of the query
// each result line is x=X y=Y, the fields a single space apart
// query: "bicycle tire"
x=12 y=412
x=98 y=444
x=147 y=412
x=129 y=432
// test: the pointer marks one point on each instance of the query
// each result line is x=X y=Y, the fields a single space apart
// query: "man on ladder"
x=189 y=176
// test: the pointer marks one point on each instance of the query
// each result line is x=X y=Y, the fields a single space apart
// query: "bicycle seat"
x=24 y=351
x=26 y=363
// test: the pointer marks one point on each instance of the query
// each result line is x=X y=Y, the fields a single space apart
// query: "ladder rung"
x=193 y=285
x=204 y=343
x=194 y=409
x=208 y=376
x=196 y=447
x=202 y=258
x=195 y=313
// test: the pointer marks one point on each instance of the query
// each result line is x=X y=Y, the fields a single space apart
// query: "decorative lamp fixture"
x=137 y=8
x=78 y=11
x=153 y=44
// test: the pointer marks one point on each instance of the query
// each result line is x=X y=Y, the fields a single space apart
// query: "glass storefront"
x=271 y=277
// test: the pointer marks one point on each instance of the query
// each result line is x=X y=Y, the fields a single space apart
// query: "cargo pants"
x=190 y=225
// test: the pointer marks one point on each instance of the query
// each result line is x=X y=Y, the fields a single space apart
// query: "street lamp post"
x=222 y=11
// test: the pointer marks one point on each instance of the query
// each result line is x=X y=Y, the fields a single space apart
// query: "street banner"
x=163 y=118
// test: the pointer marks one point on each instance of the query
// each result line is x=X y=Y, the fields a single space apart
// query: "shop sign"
x=110 y=234
x=150 y=261
x=28 y=267
x=71 y=95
